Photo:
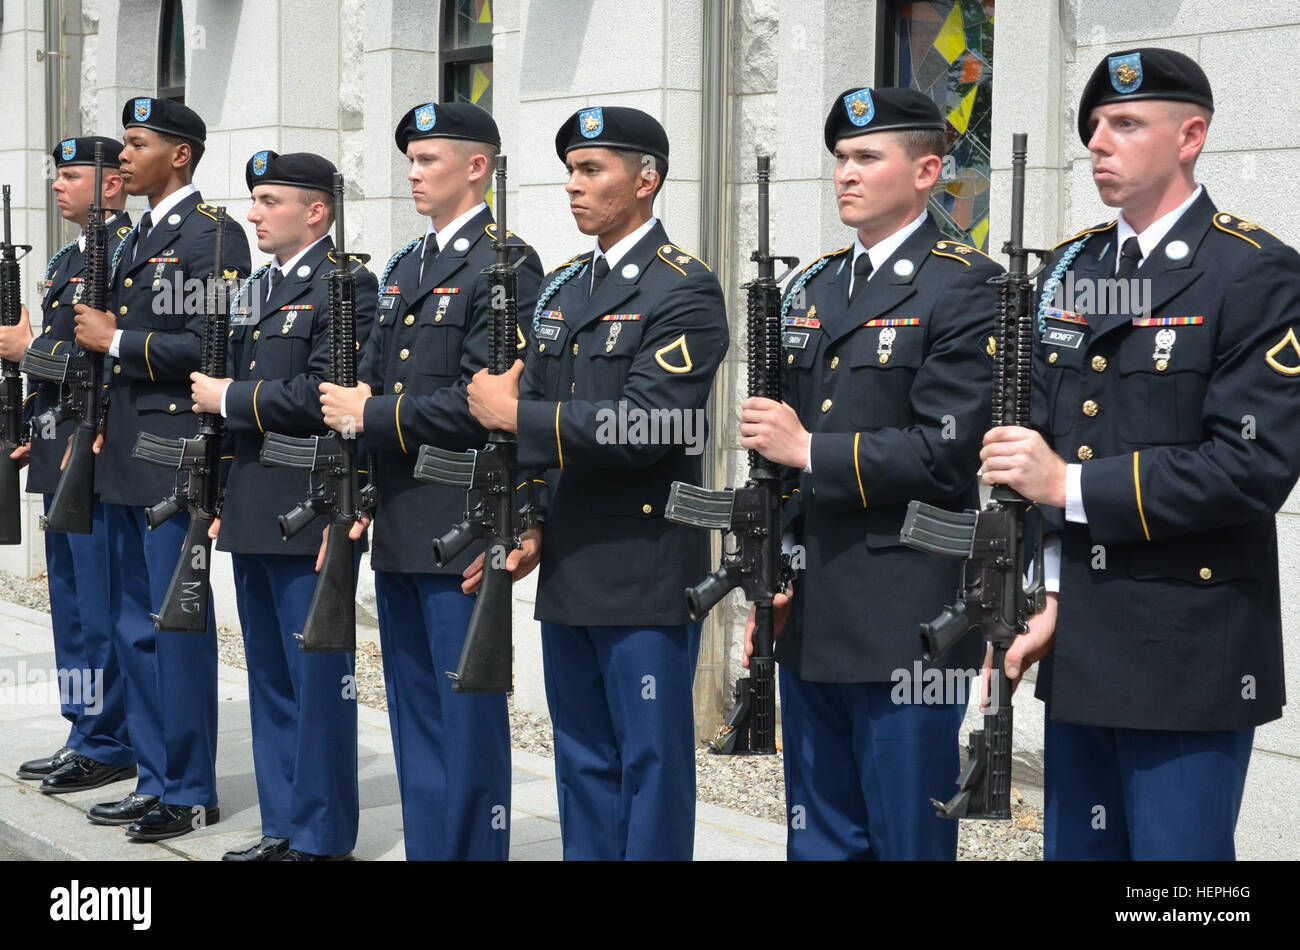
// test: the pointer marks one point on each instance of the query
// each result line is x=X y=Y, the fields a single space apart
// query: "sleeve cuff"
x=115 y=348
x=1074 y=496
x=808 y=467
x=1052 y=564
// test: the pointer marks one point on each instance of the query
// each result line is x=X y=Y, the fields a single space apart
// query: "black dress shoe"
x=39 y=768
x=295 y=855
x=82 y=772
x=129 y=809
x=268 y=849
x=172 y=821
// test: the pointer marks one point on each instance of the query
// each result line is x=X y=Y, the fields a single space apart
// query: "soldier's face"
x=602 y=191
x=439 y=176
x=1137 y=149
x=146 y=161
x=280 y=220
x=73 y=191
x=877 y=185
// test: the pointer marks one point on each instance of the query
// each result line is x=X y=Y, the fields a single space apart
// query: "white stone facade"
x=333 y=76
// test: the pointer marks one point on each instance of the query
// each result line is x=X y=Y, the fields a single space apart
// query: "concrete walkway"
x=54 y=827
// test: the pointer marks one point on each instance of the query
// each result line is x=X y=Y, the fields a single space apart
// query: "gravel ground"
x=753 y=785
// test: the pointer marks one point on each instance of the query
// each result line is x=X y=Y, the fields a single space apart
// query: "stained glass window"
x=945 y=49
x=467 y=52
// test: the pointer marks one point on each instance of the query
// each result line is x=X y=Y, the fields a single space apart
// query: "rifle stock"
x=751 y=514
x=993 y=596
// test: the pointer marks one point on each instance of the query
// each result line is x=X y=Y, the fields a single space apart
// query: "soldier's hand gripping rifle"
x=80 y=376
x=994 y=596
x=197 y=463
x=12 y=430
x=489 y=476
x=331 y=463
x=749 y=515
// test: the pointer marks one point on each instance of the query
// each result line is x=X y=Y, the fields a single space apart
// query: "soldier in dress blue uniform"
x=1165 y=438
x=98 y=750
x=635 y=326
x=152 y=335
x=304 y=714
x=431 y=335
x=886 y=399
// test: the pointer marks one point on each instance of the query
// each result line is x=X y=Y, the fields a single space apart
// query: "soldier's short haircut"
x=635 y=161
x=196 y=149
x=309 y=196
x=918 y=143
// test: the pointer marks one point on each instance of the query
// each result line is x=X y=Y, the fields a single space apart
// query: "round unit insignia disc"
x=303 y=271
x=904 y=267
x=629 y=271
x=460 y=245
x=173 y=219
x=1176 y=250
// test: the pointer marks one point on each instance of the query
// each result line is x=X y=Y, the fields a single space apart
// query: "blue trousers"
x=452 y=749
x=624 y=721
x=303 y=708
x=860 y=770
x=77 y=568
x=171 y=678
x=1142 y=794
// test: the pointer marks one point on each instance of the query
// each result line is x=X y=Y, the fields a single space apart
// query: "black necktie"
x=142 y=233
x=430 y=252
x=861 y=271
x=276 y=276
x=598 y=273
x=1130 y=255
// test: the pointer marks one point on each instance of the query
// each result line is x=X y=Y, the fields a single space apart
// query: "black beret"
x=616 y=127
x=447 y=120
x=1147 y=73
x=861 y=111
x=300 y=169
x=81 y=151
x=165 y=116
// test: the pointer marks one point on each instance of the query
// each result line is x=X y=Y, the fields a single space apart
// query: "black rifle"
x=13 y=432
x=197 y=461
x=490 y=476
x=330 y=461
x=80 y=376
x=751 y=515
x=994 y=596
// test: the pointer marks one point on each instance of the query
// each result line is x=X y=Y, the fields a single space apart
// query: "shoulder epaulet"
x=818 y=263
x=805 y=275
x=209 y=210
x=1248 y=231
x=123 y=231
x=958 y=251
x=678 y=260
x=353 y=260
x=1086 y=231
x=571 y=260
